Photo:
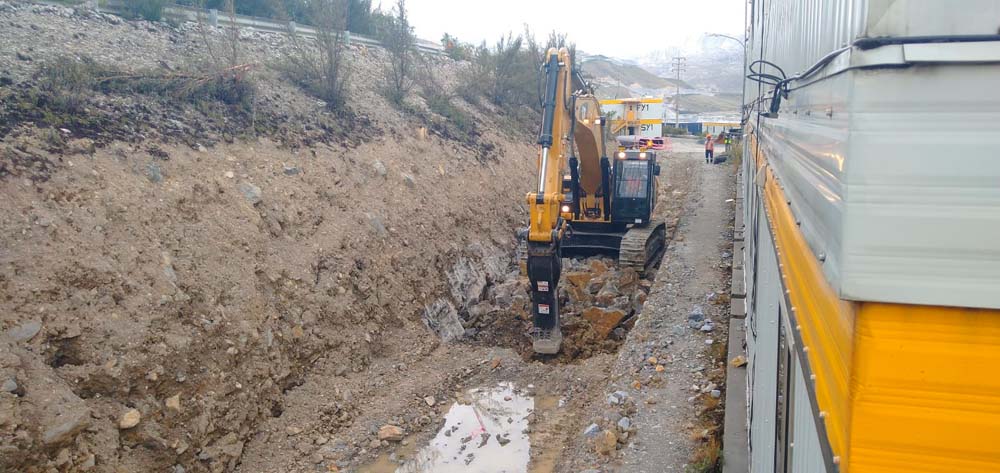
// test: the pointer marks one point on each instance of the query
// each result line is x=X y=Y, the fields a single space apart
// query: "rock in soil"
x=129 y=419
x=606 y=443
x=390 y=433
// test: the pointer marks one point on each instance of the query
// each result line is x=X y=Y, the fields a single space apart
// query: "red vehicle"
x=658 y=143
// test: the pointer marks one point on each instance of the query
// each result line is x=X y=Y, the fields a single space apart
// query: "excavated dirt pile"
x=599 y=302
x=165 y=286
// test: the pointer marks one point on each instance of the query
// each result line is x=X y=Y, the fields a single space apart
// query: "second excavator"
x=585 y=202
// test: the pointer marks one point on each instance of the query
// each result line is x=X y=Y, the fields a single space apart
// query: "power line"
x=678 y=63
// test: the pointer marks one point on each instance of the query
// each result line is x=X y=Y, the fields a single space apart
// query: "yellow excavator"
x=585 y=203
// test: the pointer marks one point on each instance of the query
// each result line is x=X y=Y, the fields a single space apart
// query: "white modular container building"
x=870 y=193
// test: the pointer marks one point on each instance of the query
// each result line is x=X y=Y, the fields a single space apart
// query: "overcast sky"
x=612 y=28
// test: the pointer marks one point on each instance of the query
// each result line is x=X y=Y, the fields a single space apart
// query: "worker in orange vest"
x=709 y=149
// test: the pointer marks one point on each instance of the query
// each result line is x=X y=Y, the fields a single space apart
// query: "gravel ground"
x=675 y=411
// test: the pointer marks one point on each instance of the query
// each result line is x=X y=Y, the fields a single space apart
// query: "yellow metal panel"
x=623 y=101
x=902 y=388
x=925 y=390
x=826 y=323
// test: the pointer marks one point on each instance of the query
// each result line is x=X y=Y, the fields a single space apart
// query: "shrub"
x=507 y=74
x=67 y=81
x=320 y=67
x=456 y=49
x=396 y=36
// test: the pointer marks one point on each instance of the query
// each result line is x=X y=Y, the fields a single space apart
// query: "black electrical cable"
x=871 y=43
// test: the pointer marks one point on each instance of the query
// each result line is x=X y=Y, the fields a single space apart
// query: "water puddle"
x=486 y=432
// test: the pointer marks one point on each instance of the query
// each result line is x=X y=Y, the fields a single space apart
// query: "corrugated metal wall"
x=797 y=33
x=762 y=347
x=806 y=455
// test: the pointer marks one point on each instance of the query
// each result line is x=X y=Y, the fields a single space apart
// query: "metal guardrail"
x=182 y=13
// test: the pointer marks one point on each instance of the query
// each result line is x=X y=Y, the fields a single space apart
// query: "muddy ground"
x=211 y=299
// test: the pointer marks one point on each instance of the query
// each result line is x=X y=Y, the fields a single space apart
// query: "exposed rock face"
x=443 y=319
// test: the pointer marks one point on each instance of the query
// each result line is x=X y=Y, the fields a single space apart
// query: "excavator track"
x=642 y=247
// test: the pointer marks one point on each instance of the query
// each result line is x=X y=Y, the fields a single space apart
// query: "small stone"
x=660 y=368
x=89 y=462
x=154 y=173
x=503 y=441
x=624 y=424
x=293 y=430
x=129 y=419
x=390 y=433
x=229 y=175
x=430 y=401
x=25 y=331
x=652 y=360
x=709 y=341
x=606 y=442
x=379 y=168
x=697 y=314
x=174 y=402
x=409 y=181
x=202 y=149
x=291 y=170
x=708 y=326
x=63 y=457
x=715 y=393
x=251 y=192
x=9 y=385
x=591 y=431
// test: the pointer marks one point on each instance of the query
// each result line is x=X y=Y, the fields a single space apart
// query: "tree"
x=454 y=48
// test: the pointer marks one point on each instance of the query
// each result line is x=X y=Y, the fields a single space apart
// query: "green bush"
x=151 y=10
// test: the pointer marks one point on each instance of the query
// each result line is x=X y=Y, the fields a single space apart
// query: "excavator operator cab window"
x=634 y=187
x=633 y=179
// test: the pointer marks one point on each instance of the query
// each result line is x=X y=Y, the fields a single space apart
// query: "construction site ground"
x=178 y=295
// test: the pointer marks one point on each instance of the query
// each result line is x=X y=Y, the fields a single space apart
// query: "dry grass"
x=706 y=458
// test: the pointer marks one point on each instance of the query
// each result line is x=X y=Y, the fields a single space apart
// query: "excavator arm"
x=571 y=121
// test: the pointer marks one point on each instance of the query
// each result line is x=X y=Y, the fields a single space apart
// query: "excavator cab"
x=634 y=187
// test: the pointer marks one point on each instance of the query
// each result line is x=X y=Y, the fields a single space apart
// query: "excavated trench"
x=599 y=301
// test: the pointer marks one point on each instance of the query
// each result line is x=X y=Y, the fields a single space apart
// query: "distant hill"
x=617 y=79
x=628 y=75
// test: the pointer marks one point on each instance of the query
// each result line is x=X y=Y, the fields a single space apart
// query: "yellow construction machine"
x=585 y=203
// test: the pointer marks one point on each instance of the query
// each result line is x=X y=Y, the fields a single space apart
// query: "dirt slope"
x=194 y=273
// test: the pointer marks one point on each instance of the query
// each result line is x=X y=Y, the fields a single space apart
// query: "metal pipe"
x=541 y=174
